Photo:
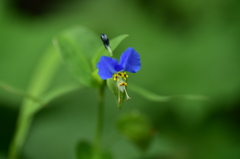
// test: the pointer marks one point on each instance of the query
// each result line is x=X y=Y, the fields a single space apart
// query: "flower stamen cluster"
x=120 y=75
x=120 y=78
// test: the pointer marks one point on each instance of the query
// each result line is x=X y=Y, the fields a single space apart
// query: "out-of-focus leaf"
x=158 y=98
x=97 y=77
x=106 y=155
x=137 y=128
x=77 y=46
x=102 y=51
x=85 y=39
x=113 y=88
x=63 y=89
x=85 y=150
x=2 y=156
x=3 y=7
x=42 y=76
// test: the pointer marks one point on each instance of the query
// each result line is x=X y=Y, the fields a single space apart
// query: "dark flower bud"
x=106 y=42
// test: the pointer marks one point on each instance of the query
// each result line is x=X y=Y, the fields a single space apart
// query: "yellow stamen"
x=115 y=77
x=124 y=75
x=121 y=77
x=123 y=84
x=120 y=74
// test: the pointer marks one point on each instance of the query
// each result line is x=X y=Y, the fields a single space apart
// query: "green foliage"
x=158 y=98
x=77 y=46
x=84 y=150
x=2 y=157
x=41 y=78
x=186 y=47
x=137 y=128
x=81 y=49
x=44 y=72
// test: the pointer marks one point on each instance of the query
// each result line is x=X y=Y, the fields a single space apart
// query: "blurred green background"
x=186 y=47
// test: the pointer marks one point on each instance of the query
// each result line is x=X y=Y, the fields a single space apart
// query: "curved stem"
x=19 y=92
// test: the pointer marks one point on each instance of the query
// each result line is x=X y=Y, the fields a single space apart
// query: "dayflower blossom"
x=110 y=68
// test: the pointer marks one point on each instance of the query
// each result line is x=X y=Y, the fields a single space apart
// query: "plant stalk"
x=22 y=128
x=99 y=128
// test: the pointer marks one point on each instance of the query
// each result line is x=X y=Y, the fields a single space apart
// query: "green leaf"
x=137 y=128
x=84 y=150
x=106 y=155
x=103 y=52
x=39 y=83
x=41 y=79
x=57 y=92
x=158 y=98
x=114 y=89
x=77 y=47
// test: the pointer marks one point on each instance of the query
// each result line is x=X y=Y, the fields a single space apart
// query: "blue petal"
x=130 y=60
x=107 y=66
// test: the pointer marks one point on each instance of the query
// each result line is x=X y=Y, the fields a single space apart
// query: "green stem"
x=98 y=135
x=22 y=128
x=18 y=92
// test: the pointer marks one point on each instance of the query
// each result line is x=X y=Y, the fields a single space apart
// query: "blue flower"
x=129 y=61
x=110 y=68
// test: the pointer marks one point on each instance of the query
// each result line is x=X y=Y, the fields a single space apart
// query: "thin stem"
x=98 y=135
x=19 y=92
